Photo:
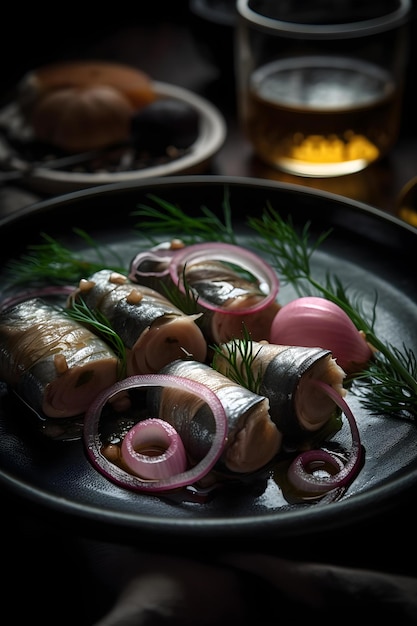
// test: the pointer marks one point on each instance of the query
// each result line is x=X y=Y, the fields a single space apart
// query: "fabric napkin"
x=152 y=589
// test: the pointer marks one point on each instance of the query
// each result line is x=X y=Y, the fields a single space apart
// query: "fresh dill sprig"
x=170 y=219
x=53 y=263
x=392 y=380
x=290 y=254
x=185 y=301
x=240 y=355
x=291 y=251
x=388 y=391
x=80 y=312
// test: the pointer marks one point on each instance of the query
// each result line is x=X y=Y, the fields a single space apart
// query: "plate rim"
x=217 y=179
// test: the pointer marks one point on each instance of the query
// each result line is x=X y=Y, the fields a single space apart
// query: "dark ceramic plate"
x=367 y=249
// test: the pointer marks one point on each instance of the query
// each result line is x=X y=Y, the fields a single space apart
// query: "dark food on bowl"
x=63 y=102
x=107 y=116
x=163 y=123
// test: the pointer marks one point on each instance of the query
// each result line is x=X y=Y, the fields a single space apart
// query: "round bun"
x=132 y=82
x=83 y=105
x=77 y=119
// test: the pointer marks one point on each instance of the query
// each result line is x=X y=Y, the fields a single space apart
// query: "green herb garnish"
x=170 y=219
x=185 y=301
x=240 y=356
x=53 y=263
x=100 y=325
x=390 y=384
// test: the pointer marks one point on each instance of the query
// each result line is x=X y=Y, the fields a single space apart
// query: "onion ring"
x=123 y=478
x=300 y=472
x=161 y=255
x=153 y=449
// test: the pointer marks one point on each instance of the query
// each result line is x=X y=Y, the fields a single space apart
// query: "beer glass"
x=320 y=84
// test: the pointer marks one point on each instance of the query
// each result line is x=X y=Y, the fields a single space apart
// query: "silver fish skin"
x=286 y=375
x=253 y=439
x=217 y=283
x=53 y=362
x=153 y=330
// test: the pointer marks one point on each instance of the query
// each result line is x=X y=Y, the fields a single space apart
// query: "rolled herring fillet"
x=217 y=283
x=253 y=439
x=154 y=331
x=53 y=362
x=286 y=374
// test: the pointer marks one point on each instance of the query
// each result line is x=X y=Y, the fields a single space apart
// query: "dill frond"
x=100 y=325
x=385 y=389
x=290 y=252
x=240 y=356
x=53 y=263
x=167 y=218
x=185 y=300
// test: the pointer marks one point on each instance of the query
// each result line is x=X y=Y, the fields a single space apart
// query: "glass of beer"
x=320 y=83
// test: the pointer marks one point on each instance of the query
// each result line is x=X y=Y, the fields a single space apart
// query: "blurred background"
x=34 y=35
x=189 y=43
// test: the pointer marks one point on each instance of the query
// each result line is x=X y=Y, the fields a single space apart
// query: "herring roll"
x=253 y=439
x=54 y=363
x=286 y=375
x=234 y=288
x=154 y=331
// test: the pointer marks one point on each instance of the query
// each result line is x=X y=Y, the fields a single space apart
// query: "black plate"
x=367 y=249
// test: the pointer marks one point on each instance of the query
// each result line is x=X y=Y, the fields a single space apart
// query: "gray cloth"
x=153 y=589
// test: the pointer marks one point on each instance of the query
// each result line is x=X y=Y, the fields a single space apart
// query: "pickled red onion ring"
x=123 y=478
x=229 y=253
x=154 y=255
x=153 y=449
x=301 y=471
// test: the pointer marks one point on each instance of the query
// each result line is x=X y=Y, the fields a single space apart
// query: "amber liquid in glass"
x=315 y=116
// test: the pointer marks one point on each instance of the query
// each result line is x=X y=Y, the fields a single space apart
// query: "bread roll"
x=83 y=105
x=77 y=119
x=133 y=83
